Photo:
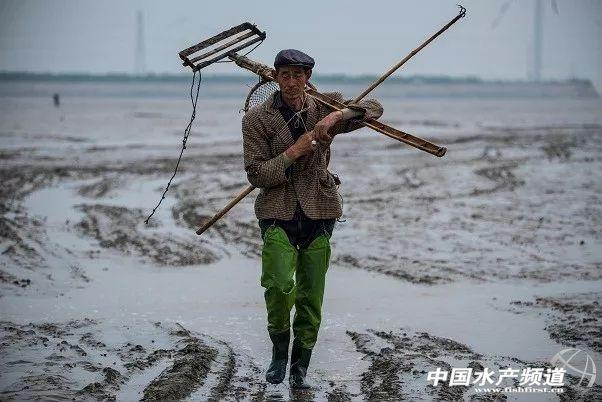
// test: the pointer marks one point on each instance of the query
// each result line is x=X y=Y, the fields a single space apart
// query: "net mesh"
x=259 y=93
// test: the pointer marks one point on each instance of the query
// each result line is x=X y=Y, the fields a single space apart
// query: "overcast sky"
x=352 y=37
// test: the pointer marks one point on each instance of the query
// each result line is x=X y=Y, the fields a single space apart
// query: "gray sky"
x=351 y=37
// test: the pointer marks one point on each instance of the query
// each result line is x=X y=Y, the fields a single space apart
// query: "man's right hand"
x=303 y=146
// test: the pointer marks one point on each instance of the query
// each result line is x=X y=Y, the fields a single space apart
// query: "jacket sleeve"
x=263 y=170
x=371 y=109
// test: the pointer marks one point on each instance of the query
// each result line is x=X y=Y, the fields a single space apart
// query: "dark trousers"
x=300 y=232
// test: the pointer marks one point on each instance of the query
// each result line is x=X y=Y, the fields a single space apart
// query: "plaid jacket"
x=265 y=138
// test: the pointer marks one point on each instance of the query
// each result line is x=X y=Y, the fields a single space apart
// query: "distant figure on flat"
x=56 y=100
x=286 y=142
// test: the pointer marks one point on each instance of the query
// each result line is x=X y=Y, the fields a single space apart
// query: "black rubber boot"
x=299 y=363
x=277 y=370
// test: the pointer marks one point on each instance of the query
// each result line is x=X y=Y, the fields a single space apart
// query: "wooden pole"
x=225 y=209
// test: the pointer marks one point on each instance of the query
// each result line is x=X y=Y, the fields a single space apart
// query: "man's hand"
x=303 y=146
x=322 y=127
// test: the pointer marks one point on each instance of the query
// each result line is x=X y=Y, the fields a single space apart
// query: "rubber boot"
x=277 y=370
x=299 y=363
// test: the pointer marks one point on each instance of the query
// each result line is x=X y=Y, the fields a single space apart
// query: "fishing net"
x=259 y=93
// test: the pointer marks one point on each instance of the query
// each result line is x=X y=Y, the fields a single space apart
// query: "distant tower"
x=140 y=63
x=535 y=55
x=599 y=61
x=537 y=40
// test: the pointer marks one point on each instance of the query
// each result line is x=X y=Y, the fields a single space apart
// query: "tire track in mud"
x=207 y=369
x=77 y=359
x=191 y=365
x=234 y=377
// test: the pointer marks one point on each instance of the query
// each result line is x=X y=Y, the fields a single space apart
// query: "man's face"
x=292 y=80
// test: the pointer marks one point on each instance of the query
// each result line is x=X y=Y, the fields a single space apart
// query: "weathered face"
x=292 y=80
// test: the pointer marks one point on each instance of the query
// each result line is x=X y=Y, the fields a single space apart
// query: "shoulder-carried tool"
x=235 y=39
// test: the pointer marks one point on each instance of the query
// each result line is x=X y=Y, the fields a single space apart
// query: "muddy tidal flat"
x=490 y=257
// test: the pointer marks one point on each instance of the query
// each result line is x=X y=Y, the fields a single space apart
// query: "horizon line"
x=121 y=76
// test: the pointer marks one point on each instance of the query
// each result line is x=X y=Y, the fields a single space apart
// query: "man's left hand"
x=322 y=127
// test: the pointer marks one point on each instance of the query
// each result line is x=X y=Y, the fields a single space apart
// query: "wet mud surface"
x=510 y=209
x=505 y=204
x=400 y=360
x=411 y=225
x=73 y=360
x=117 y=228
x=573 y=320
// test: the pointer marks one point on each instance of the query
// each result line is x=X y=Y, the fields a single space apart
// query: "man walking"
x=286 y=142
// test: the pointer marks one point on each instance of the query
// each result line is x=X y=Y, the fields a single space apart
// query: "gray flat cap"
x=293 y=57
